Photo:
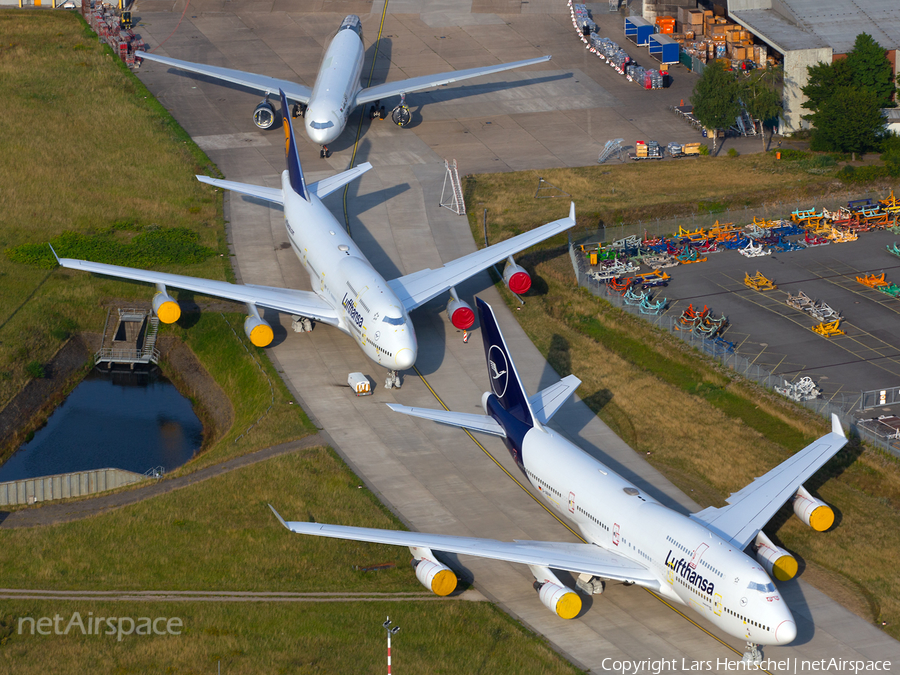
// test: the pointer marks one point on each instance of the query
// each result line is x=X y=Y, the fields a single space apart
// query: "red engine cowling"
x=516 y=278
x=461 y=314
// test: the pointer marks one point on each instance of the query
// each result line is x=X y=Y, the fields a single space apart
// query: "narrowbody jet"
x=697 y=560
x=347 y=292
x=337 y=92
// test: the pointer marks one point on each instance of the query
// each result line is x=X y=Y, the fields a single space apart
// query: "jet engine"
x=776 y=561
x=555 y=596
x=814 y=512
x=560 y=599
x=437 y=578
x=401 y=116
x=165 y=306
x=257 y=329
x=516 y=278
x=264 y=115
x=461 y=314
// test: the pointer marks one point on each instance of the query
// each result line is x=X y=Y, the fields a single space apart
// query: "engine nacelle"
x=264 y=115
x=560 y=599
x=258 y=331
x=166 y=308
x=814 y=512
x=461 y=314
x=401 y=116
x=776 y=561
x=516 y=278
x=437 y=578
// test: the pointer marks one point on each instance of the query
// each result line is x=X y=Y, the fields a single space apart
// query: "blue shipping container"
x=663 y=48
x=638 y=30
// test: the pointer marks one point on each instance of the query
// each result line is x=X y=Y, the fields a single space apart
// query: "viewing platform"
x=129 y=337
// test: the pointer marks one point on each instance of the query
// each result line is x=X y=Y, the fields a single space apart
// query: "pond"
x=132 y=421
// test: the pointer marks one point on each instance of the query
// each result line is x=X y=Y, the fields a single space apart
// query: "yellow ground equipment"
x=829 y=329
x=758 y=282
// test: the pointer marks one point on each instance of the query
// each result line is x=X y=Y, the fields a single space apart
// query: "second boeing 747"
x=697 y=560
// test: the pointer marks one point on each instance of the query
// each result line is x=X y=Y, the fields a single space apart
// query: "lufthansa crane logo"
x=499 y=370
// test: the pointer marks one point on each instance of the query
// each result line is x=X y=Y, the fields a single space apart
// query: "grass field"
x=446 y=637
x=109 y=174
x=708 y=412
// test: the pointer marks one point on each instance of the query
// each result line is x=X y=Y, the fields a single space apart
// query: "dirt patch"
x=31 y=407
x=189 y=376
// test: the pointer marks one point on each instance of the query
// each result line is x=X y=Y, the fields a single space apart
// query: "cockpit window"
x=353 y=23
x=322 y=125
x=763 y=588
x=394 y=321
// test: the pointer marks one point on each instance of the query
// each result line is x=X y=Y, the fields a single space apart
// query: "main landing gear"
x=401 y=116
x=392 y=381
x=298 y=110
x=301 y=324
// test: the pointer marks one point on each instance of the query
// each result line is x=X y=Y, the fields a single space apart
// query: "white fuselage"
x=694 y=566
x=367 y=308
x=333 y=97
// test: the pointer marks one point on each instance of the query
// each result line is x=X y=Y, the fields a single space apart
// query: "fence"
x=659 y=227
x=842 y=405
x=64 y=485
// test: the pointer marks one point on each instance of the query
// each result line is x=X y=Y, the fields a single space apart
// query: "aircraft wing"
x=262 y=83
x=321 y=189
x=750 y=508
x=419 y=287
x=472 y=421
x=387 y=89
x=546 y=402
x=285 y=300
x=578 y=558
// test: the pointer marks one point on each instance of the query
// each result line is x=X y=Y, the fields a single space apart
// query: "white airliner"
x=695 y=560
x=337 y=91
x=347 y=291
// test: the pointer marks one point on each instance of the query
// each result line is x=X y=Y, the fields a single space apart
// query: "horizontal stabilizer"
x=328 y=185
x=545 y=403
x=483 y=423
x=578 y=558
x=267 y=194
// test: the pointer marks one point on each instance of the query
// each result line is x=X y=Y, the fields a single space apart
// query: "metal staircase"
x=458 y=204
x=129 y=339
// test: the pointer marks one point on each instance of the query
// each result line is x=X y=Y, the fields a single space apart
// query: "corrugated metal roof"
x=835 y=23
x=777 y=31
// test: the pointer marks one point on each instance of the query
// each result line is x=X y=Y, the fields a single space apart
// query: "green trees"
x=715 y=98
x=846 y=97
x=719 y=96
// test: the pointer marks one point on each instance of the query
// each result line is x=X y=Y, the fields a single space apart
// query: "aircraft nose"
x=405 y=358
x=786 y=632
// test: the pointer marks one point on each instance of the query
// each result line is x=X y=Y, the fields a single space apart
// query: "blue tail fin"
x=505 y=382
x=295 y=172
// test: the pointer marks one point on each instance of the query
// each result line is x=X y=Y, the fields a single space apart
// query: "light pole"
x=390 y=631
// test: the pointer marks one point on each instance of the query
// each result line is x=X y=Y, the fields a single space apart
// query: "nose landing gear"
x=324 y=153
x=392 y=381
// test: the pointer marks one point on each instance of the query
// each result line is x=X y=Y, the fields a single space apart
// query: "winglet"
x=280 y=519
x=295 y=171
x=54 y=253
x=572 y=211
x=836 y=427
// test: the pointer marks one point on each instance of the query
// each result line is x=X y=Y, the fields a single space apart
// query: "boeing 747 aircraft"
x=326 y=107
x=697 y=560
x=347 y=291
